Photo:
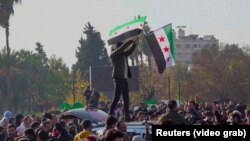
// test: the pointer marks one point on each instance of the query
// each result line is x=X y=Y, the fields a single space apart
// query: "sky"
x=58 y=24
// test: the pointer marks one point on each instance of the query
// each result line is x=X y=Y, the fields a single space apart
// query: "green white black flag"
x=161 y=43
x=126 y=30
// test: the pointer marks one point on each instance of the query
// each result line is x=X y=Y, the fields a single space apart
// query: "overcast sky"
x=58 y=24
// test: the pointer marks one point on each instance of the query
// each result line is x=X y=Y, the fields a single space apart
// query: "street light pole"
x=74 y=96
x=73 y=80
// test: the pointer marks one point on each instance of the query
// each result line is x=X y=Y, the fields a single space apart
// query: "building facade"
x=186 y=46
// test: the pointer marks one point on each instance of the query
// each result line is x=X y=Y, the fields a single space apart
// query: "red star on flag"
x=166 y=49
x=162 y=39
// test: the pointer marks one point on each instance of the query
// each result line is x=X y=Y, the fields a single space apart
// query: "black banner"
x=200 y=132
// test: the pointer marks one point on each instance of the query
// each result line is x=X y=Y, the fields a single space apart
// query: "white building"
x=186 y=46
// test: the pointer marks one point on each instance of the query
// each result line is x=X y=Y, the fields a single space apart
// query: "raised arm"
x=121 y=49
x=132 y=48
x=130 y=51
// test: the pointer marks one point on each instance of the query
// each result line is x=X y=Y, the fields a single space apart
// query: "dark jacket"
x=177 y=118
x=119 y=57
x=8 y=139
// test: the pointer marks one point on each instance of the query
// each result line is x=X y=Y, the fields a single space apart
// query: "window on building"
x=187 y=62
x=178 y=45
x=206 y=45
x=187 y=45
x=195 y=53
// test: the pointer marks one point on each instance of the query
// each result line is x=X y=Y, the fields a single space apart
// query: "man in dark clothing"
x=194 y=115
x=94 y=99
x=121 y=73
x=173 y=114
x=11 y=133
x=87 y=93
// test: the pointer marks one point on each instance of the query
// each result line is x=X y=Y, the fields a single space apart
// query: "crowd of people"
x=50 y=127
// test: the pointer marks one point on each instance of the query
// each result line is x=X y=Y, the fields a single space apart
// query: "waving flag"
x=126 y=30
x=161 y=43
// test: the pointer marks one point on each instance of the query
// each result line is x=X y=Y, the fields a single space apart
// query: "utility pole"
x=73 y=80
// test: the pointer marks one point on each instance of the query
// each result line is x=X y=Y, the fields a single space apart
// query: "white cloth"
x=20 y=129
x=3 y=120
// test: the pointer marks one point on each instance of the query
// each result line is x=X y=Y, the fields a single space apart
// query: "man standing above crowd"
x=121 y=72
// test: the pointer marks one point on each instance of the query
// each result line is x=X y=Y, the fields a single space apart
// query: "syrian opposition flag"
x=126 y=30
x=161 y=43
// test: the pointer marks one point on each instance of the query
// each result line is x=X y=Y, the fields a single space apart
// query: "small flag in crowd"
x=126 y=30
x=161 y=44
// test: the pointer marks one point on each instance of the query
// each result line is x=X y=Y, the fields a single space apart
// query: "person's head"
x=26 y=122
x=47 y=126
x=113 y=135
x=11 y=131
x=86 y=125
x=19 y=119
x=8 y=115
x=41 y=135
x=172 y=105
x=153 y=117
x=209 y=116
x=54 y=119
x=30 y=134
x=35 y=125
x=141 y=116
x=111 y=122
x=236 y=117
x=191 y=105
x=121 y=126
x=153 y=108
x=12 y=121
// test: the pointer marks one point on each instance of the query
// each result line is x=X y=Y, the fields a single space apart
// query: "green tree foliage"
x=31 y=88
x=79 y=86
x=220 y=73
x=6 y=9
x=42 y=53
x=92 y=51
x=59 y=86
